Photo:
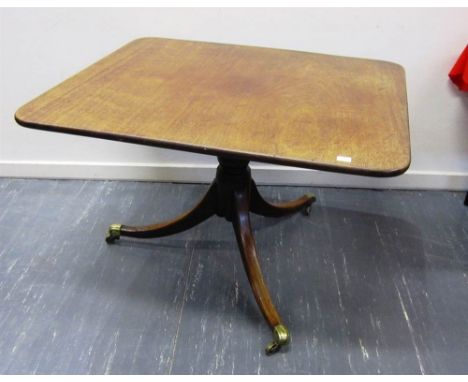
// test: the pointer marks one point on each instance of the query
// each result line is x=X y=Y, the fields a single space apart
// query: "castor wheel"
x=280 y=337
x=308 y=208
x=113 y=233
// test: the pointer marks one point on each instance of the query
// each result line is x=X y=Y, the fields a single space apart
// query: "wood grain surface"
x=287 y=107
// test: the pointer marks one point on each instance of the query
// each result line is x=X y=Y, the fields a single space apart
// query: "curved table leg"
x=260 y=206
x=202 y=211
x=243 y=230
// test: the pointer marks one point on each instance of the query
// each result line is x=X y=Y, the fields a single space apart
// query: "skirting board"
x=197 y=173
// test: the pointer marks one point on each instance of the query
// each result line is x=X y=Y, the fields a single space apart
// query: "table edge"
x=219 y=152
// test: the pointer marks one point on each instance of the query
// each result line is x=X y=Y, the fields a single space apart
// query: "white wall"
x=41 y=47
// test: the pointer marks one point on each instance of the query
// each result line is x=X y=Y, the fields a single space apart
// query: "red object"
x=459 y=72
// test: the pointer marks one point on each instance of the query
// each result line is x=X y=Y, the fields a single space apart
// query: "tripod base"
x=232 y=195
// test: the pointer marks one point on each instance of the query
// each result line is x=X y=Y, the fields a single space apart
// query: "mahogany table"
x=239 y=103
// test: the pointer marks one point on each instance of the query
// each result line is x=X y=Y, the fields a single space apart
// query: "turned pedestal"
x=233 y=195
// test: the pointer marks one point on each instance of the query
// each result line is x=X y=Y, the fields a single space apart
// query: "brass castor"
x=280 y=337
x=308 y=207
x=113 y=233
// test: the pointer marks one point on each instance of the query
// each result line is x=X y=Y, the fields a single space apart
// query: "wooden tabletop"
x=278 y=106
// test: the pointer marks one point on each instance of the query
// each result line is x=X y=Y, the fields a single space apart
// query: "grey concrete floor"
x=371 y=282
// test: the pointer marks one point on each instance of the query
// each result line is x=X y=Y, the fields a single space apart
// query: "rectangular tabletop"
x=287 y=107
